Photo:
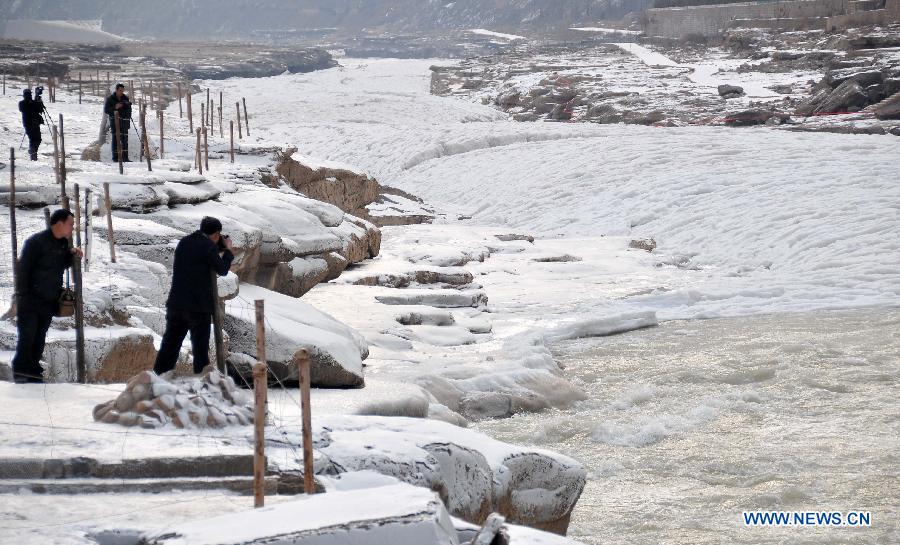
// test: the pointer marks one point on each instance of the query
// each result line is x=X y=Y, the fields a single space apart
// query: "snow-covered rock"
x=473 y=474
x=152 y=401
x=335 y=350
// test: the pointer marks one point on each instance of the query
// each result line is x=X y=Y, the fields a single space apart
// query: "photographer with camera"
x=193 y=296
x=32 y=119
x=119 y=102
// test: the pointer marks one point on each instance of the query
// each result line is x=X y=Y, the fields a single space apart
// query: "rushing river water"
x=692 y=423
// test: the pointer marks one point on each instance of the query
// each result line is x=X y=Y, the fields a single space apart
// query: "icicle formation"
x=150 y=401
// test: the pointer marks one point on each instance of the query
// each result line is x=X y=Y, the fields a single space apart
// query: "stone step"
x=145 y=468
x=241 y=485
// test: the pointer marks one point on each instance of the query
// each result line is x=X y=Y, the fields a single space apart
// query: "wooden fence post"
x=246 y=119
x=80 y=368
x=118 y=133
x=12 y=224
x=80 y=91
x=180 y=113
x=190 y=114
x=203 y=115
x=231 y=130
x=162 y=140
x=62 y=162
x=145 y=140
x=309 y=483
x=205 y=149
x=237 y=106
x=260 y=380
x=218 y=320
x=220 y=115
x=199 y=154
x=88 y=228
x=110 y=236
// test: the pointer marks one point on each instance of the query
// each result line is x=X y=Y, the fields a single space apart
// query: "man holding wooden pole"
x=39 y=279
x=192 y=298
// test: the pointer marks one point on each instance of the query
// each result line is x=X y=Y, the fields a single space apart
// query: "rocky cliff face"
x=200 y=19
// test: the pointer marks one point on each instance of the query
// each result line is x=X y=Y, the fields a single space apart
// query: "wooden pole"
x=203 y=115
x=309 y=483
x=12 y=220
x=205 y=149
x=218 y=320
x=246 y=119
x=88 y=229
x=118 y=132
x=162 y=147
x=110 y=235
x=55 y=136
x=212 y=117
x=152 y=94
x=79 y=299
x=220 y=115
x=146 y=137
x=47 y=216
x=237 y=106
x=180 y=112
x=231 y=130
x=80 y=91
x=189 y=113
x=62 y=162
x=4 y=84
x=259 y=418
x=199 y=153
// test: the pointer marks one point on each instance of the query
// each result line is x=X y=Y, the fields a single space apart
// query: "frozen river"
x=694 y=422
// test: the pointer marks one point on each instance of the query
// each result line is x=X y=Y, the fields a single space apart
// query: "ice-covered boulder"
x=474 y=474
x=335 y=350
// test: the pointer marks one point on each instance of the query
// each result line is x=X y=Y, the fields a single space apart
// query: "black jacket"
x=40 y=273
x=109 y=107
x=31 y=112
x=192 y=288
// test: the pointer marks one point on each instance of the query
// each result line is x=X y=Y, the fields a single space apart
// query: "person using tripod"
x=32 y=119
x=119 y=102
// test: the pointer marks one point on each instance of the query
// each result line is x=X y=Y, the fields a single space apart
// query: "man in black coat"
x=119 y=102
x=193 y=296
x=32 y=119
x=45 y=256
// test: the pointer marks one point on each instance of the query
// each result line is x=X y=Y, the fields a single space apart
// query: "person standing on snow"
x=192 y=298
x=45 y=256
x=119 y=102
x=32 y=119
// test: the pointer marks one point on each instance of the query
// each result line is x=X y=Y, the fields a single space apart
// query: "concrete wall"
x=710 y=21
x=890 y=14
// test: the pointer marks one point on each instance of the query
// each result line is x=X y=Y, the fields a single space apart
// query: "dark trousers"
x=178 y=324
x=33 y=326
x=124 y=125
x=34 y=140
